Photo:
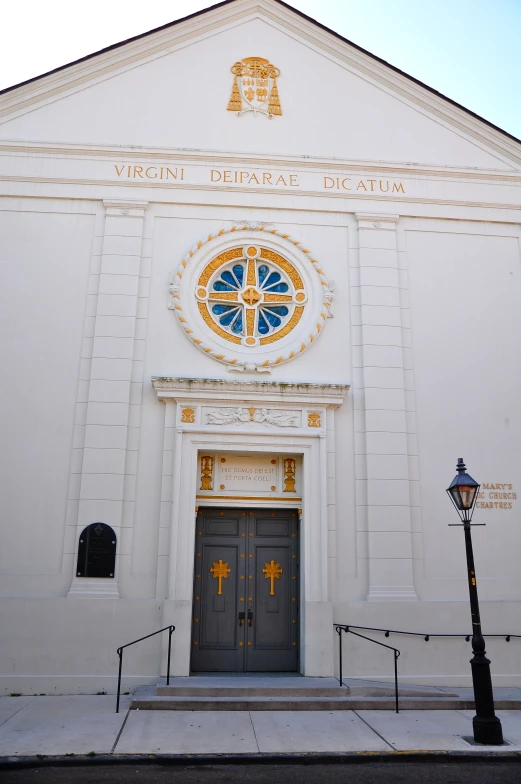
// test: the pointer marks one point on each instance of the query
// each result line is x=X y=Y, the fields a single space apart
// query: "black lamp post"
x=463 y=492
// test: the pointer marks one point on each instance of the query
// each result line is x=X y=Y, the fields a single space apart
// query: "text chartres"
x=496 y=495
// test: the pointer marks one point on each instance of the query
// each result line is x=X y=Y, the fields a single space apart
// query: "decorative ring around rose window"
x=251 y=297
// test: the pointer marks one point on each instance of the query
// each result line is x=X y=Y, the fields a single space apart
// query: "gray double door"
x=245 y=610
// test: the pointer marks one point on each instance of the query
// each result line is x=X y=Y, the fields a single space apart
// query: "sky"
x=469 y=50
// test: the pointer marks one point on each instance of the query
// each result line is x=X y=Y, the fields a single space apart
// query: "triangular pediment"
x=171 y=88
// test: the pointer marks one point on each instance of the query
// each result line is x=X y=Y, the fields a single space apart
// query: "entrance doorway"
x=245 y=609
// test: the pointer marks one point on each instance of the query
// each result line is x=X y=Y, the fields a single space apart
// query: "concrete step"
x=253 y=691
x=151 y=701
x=292 y=693
x=289 y=691
x=284 y=686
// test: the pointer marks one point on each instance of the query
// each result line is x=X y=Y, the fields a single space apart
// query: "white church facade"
x=261 y=290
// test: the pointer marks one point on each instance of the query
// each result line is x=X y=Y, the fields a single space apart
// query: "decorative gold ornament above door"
x=250 y=301
x=254 y=88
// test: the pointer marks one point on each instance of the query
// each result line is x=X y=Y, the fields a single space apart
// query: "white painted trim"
x=225 y=157
x=94 y=587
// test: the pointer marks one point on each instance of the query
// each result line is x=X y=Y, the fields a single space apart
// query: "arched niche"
x=97 y=551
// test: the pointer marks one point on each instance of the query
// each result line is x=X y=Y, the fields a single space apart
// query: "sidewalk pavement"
x=50 y=726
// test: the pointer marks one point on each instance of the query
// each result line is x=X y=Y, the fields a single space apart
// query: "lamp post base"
x=487 y=730
x=486 y=725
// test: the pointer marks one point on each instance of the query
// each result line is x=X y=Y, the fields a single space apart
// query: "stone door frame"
x=313 y=440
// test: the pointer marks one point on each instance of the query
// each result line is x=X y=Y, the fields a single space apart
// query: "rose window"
x=251 y=295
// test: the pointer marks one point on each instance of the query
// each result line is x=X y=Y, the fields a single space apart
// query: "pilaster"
x=382 y=454
x=107 y=485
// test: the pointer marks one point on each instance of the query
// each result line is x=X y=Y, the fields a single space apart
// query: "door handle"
x=250 y=617
x=241 y=618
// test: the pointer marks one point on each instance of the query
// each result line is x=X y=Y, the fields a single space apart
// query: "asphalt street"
x=477 y=772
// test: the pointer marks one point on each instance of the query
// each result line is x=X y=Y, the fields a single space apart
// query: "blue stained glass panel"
x=228 y=278
x=238 y=271
x=263 y=272
x=218 y=310
x=271 y=318
x=280 y=287
x=262 y=326
x=220 y=286
x=237 y=324
x=271 y=280
x=279 y=310
x=227 y=319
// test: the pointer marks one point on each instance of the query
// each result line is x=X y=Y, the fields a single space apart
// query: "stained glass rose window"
x=251 y=295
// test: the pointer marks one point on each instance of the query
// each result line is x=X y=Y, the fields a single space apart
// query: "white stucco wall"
x=425 y=327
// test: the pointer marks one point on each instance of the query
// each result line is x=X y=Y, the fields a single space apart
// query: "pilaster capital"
x=126 y=208
x=374 y=220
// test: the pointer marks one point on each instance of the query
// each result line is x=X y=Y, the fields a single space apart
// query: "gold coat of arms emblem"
x=254 y=88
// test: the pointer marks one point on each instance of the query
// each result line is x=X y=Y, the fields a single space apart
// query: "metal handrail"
x=349 y=630
x=171 y=629
x=426 y=637
x=387 y=632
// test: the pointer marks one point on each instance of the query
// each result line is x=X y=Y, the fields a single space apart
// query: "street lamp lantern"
x=463 y=492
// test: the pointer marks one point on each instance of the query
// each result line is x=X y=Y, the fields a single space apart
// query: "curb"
x=352 y=757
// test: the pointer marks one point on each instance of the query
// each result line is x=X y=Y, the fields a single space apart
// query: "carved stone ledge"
x=125 y=207
x=265 y=392
x=372 y=220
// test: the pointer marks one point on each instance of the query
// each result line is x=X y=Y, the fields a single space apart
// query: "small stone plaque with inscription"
x=249 y=474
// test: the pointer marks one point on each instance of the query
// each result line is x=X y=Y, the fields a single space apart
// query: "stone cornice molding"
x=451 y=206
x=126 y=208
x=167 y=39
x=265 y=392
x=228 y=158
x=374 y=220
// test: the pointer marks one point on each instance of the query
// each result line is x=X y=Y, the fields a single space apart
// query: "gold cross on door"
x=219 y=570
x=272 y=571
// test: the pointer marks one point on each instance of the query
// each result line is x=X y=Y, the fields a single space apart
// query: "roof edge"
x=118 y=45
x=309 y=19
x=397 y=70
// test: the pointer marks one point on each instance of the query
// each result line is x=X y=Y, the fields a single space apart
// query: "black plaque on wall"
x=96 y=551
